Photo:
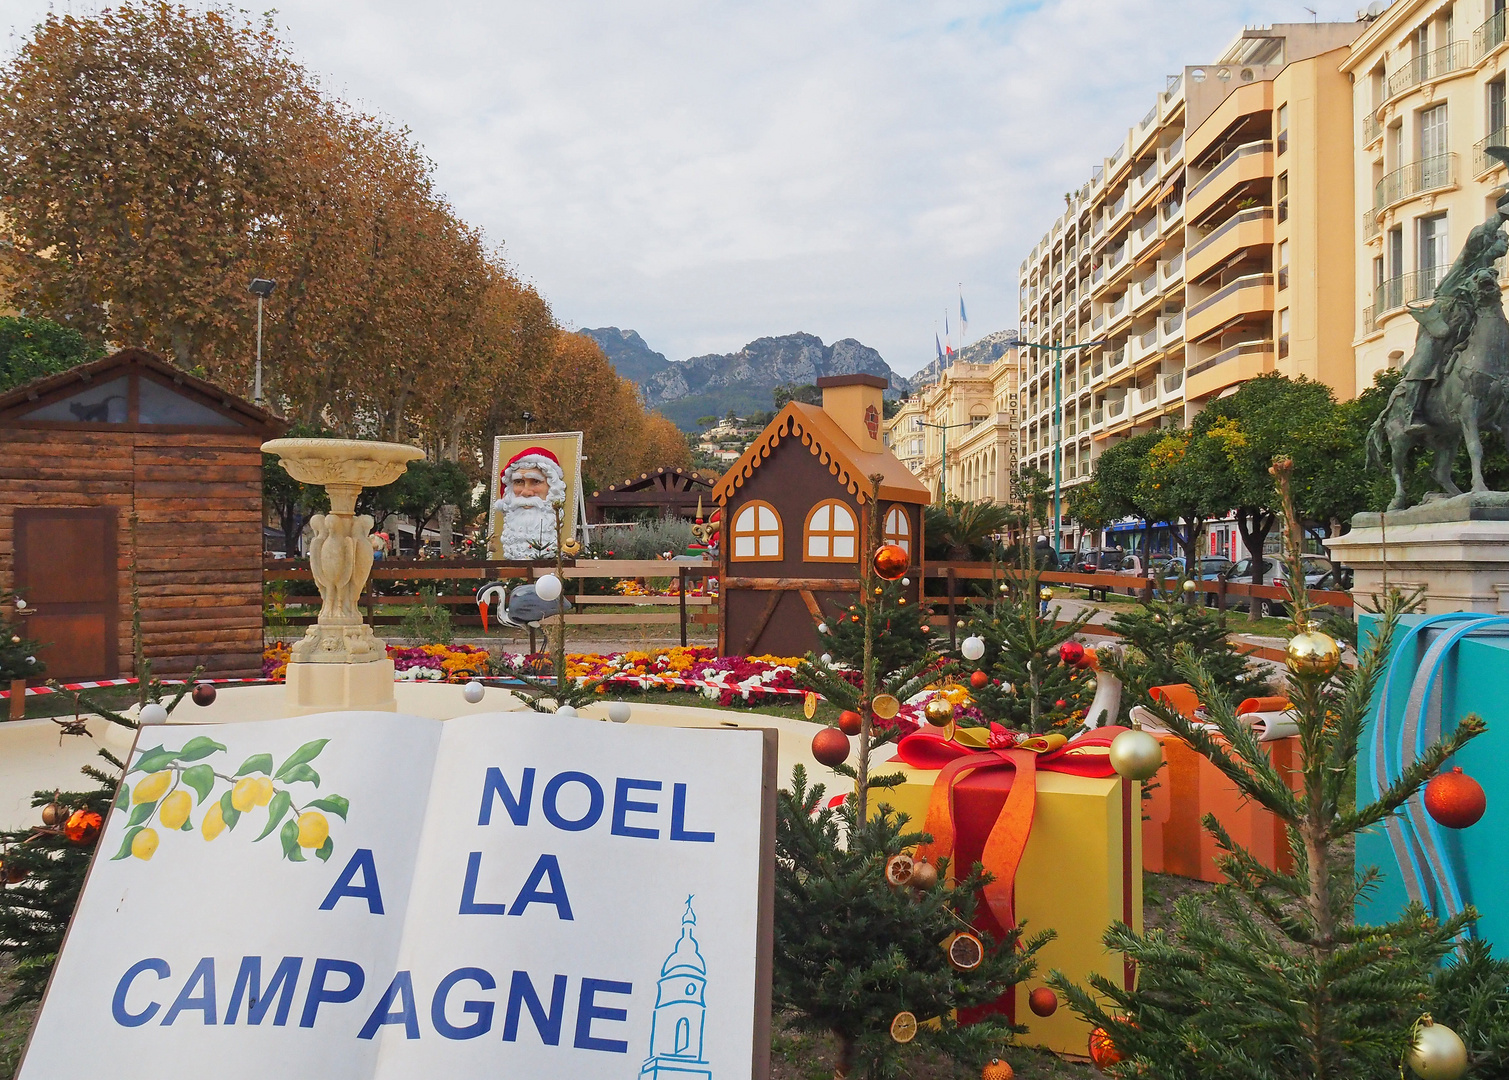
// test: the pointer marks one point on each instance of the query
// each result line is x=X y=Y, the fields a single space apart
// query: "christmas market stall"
x=663 y=493
x=793 y=508
x=128 y=481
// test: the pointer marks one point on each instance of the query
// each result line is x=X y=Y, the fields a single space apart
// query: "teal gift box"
x=1440 y=669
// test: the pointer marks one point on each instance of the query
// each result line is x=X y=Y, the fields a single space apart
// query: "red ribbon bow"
x=1087 y=755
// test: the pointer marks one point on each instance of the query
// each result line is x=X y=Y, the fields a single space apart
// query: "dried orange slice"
x=885 y=706
x=904 y=1027
x=965 y=951
x=898 y=869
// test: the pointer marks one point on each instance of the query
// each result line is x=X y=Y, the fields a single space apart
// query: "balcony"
x=1249 y=228
x=1248 y=295
x=1117 y=357
x=1172 y=327
x=1372 y=128
x=1394 y=293
x=1170 y=271
x=1250 y=161
x=1119 y=309
x=1172 y=382
x=1427 y=67
x=1098 y=368
x=1369 y=224
x=1240 y=362
x=1171 y=213
x=1116 y=408
x=1172 y=153
x=1416 y=178
x=1481 y=162
x=1489 y=36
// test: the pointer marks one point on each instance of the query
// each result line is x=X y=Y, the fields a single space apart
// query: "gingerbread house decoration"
x=795 y=508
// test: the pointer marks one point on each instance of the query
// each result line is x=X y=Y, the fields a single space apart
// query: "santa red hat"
x=523 y=456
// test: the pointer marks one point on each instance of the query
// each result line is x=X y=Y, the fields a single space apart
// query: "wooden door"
x=66 y=572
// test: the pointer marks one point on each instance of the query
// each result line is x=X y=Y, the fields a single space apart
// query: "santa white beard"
x=528 y=527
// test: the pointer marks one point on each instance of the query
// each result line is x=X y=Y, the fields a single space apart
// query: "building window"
x=757 y=533
x=898 y=529
x=976 y=419
x=1283 y=333
x=832 y=534
x=1281 y=125
x=1283 y=264
x=1281 y=192
x=1431 y=252
x=1498 y=118
x=1433 y=148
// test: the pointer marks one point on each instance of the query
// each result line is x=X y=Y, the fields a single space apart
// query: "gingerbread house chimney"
x=856 y=405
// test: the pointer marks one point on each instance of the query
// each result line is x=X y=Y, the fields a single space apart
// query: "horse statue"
x=1464 y=393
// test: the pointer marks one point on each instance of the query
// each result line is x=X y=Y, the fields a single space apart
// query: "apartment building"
x=959 y=434
x=1211 y=246
x=1428 y=89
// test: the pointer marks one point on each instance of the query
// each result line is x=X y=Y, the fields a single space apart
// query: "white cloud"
x=710 y=172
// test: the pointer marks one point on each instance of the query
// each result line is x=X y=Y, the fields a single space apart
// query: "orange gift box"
x=1174 y=841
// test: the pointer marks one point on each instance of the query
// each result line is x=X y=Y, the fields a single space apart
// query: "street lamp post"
x=528 y=418
x=943 y=468
x=1058 y=349
x=261 y=288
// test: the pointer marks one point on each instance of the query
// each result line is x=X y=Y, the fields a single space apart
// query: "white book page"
x=601 y=923
x=155 y=979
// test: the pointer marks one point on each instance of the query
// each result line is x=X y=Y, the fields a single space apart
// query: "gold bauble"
x=939 y=711
x=1312 y=653
x=1045 y=593
x=1437 y=1053
x=924 y=875
x=1188 y=586
x=1136 y=755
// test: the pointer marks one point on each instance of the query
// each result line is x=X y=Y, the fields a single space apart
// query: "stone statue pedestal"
x=1456 y=549
x=339 y=664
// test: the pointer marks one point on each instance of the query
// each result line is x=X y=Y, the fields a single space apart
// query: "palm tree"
x=956 y=529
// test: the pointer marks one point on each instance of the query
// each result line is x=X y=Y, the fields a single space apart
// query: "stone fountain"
x=340 y=664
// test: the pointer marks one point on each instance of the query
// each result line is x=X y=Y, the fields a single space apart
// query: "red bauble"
x=830 y=746
x=204 y=694
x=1042 y=1001
x=82 y=826
x=891 y=561
x=1060 y=704
x=1455 y=799
x=1071 y=653
x=850 y=722
x=979 y=680
x=1103 y=1051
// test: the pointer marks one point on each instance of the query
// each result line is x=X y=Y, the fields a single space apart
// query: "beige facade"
x=959 y=434
x=1211 y=246
x=1428 y=90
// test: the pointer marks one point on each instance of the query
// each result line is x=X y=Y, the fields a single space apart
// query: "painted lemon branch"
x=164 y=794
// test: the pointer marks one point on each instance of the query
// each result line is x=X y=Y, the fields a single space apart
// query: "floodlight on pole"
x=528 y=418
x=261 y=288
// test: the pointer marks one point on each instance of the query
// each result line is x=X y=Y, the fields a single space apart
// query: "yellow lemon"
x=175 y=810
x=214 y=822
x=144 y=844
x=244 y=794
x=313 y=829
x=263 y=792
x=151 y=789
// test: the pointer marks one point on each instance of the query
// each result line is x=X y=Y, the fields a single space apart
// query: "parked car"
x=1098 y=559
x=1240 y=573
x=1208 y=569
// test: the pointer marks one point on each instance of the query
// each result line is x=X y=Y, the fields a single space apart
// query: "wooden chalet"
x=664 y=493
x=129 y=477
x=795 y=508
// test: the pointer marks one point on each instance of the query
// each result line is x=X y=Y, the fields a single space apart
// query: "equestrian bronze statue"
x=1456 y=382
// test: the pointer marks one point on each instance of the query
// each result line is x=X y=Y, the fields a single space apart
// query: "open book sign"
x=364 y=895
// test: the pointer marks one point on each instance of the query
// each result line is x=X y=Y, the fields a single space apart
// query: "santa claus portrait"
x=536 y=477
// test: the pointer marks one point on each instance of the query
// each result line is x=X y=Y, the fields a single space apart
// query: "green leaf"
x=336 y=804
x=275 y=811
x=228 y=811
x=201 y=778
x=150 y=758
x=325 y=849
x=198 y=747
x=187 y=826
x=299 y=774
x=141 y=813
x=261 y=763
x=308 y=752
x=123 y=796
x=126 y=843
x=290 y=838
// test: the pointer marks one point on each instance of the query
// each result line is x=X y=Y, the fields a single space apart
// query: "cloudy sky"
x=708 y=172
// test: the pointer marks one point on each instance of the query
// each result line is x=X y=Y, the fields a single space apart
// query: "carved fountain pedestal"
x=340 y=664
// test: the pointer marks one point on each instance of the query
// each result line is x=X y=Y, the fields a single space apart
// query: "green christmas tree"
x=42 y=868
x=1031 y=688
x=1271 y=978
x=902 y=634
x=1152 y=635
x=854 y=952
x=18 y=653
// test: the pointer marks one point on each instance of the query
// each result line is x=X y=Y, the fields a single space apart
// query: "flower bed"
x=424 y=663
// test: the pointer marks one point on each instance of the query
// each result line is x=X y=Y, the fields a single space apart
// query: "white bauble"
x=618 y=712
x=20 y=604
x=565 y=710
x=973 y=647
x=822 y=628
x=473 y=692
x=152 y=713
x=826 y=659
x=547 y=587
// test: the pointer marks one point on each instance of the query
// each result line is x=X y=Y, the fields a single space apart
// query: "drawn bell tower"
x=680 y=1012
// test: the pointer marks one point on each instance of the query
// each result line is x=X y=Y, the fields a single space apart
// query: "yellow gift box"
x=1080 y=872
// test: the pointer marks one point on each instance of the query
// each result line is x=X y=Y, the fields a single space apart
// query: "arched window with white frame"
x=756 y=535
x=898 y=529
x=832 y=533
